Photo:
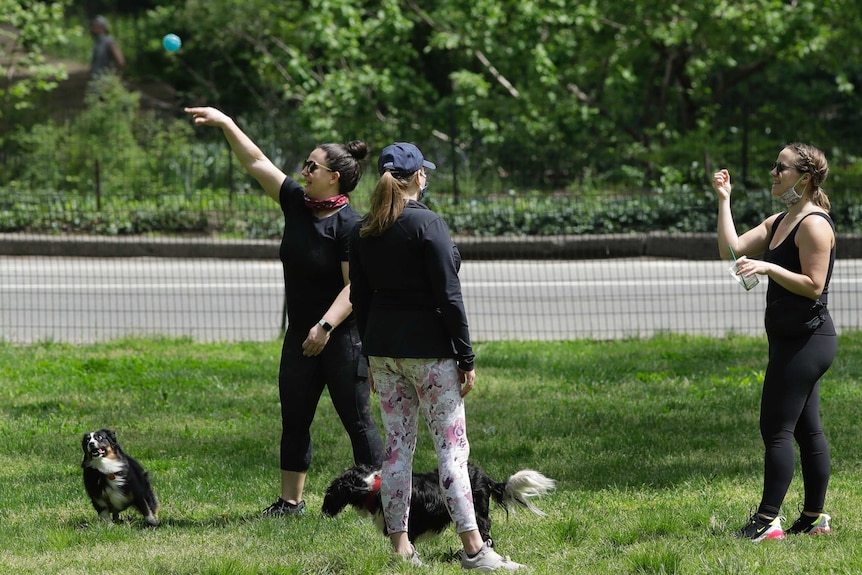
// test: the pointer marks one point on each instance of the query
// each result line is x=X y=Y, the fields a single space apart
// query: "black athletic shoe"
x=758 y=529
x=281 y=508
x=810 y=525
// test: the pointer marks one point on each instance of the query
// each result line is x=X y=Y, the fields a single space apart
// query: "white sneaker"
x=487 y=560
x=413 y=559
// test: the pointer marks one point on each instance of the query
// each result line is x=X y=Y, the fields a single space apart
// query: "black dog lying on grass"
x=359 y=487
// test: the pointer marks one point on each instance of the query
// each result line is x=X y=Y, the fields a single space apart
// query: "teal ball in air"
x=171 y=42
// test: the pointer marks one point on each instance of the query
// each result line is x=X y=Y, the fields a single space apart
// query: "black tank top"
x=786 y=255
x=792 y=305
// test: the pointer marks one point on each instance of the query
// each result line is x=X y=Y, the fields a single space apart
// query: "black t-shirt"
x=312 y=250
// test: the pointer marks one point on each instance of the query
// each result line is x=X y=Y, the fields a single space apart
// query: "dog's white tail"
x=524 y=485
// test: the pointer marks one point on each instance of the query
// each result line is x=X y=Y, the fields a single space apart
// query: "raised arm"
x=250 y=156
x=751 y=243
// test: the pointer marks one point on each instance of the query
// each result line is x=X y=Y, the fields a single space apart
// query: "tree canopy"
x=545 y=93
x=26 y=29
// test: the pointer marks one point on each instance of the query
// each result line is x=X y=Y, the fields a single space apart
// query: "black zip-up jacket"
x=405 y=290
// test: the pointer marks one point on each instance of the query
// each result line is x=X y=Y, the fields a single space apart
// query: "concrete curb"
x=658 y=245
x=685 y=246
x=135 y=247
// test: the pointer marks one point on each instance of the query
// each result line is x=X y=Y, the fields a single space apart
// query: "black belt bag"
x=795 y=317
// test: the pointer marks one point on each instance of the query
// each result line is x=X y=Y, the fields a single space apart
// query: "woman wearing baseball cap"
x=407 y=299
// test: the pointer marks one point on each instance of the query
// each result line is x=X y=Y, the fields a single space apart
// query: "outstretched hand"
x=207 y=116
x=721 y=184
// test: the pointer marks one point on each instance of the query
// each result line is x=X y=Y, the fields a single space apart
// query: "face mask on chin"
x=790 y=195
x=422 y=191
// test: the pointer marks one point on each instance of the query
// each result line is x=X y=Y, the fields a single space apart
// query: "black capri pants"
x=344 y=370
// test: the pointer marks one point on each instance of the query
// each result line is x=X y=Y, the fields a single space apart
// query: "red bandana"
x=327 y=204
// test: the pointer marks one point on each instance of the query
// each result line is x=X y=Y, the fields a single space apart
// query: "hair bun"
x=358 y=149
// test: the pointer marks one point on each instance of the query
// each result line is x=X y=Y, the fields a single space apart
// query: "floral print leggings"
x=430 y=386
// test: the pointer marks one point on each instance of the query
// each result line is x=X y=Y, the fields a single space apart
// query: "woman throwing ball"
x=321 y=346
x=798 y=249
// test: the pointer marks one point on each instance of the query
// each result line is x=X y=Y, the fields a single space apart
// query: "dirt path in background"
x=68 y=97
x=69 y=94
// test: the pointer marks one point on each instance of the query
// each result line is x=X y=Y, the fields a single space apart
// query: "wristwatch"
x=327 y=327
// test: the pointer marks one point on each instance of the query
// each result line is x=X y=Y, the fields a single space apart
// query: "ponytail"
x=387 y=203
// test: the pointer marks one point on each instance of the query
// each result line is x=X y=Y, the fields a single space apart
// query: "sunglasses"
x=312 y=166
x=779 y=167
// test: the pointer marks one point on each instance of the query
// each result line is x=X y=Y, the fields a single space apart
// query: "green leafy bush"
x=253 y=215
x=116 y=170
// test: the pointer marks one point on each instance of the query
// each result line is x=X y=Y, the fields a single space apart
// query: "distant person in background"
x=107 y=56
x=321 y=347
x=798 y=249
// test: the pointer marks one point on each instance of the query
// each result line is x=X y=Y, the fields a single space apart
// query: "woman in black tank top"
x=798 y=252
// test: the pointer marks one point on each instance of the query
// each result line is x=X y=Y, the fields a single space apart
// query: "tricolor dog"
x=359 y=487
x=114 y=480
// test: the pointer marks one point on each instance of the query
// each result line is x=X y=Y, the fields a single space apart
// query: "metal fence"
x=83 y=290
x=135 y=254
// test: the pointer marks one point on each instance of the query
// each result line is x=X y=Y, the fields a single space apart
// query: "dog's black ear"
x=333 y=502
x=349 y=488
x=84 y=441
x=112 y=437
x=339 y=494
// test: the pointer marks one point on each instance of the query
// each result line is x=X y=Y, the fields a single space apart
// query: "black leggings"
x=790 y=409
x=342 y=368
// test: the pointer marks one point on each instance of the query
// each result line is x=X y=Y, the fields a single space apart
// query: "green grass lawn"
x=654 y=445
